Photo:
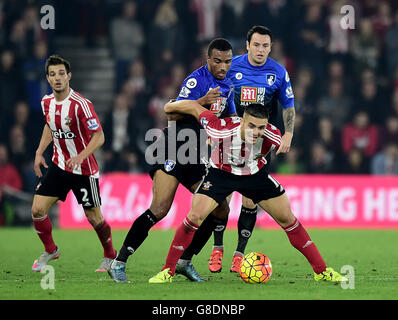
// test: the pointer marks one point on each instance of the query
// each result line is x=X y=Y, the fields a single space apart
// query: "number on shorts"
x=85 y=194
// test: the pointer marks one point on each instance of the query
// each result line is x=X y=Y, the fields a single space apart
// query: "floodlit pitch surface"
x=372 y=255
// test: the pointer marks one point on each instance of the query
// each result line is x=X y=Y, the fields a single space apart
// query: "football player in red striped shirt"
x=73 y=127
x=238 y=159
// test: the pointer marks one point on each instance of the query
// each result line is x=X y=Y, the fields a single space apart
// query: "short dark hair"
x=258 y=29
x=257 y=110
x=220 y=44
x=56 y=60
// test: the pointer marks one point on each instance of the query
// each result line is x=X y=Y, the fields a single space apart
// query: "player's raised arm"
x=191 y=107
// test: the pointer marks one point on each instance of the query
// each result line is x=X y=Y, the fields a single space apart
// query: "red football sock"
x=105 y=236
x=182 y=239
x=300 y=239
x=44 y=229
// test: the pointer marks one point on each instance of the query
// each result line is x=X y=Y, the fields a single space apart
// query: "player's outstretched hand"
x=210 y=97
x=39 y=161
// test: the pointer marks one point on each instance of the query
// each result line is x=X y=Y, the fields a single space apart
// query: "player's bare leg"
x=164 y=188
x=42 y=224
x=104 y=233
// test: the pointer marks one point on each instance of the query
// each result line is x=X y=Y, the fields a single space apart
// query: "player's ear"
x=247 y=45
x=69 y=75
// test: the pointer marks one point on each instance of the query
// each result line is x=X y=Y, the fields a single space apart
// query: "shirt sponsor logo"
x=92 y=124
x=248 y=94
x=63 y=135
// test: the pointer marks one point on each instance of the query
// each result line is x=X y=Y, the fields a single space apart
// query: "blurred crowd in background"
x=345 y=82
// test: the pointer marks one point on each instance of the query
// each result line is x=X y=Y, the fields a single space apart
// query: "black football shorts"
x=219 y=184
x=57 y=183
x=188 y=174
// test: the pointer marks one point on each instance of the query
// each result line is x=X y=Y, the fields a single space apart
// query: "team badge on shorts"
x=206 y=185
x=270 y=78
x=169 y=165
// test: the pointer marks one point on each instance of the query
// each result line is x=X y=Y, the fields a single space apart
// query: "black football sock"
x=137 y=234
x=246 y=223
x=219 y=232
x=201 y=237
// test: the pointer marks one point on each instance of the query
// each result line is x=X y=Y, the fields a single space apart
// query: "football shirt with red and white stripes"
x=232 y=154
x=72 y=122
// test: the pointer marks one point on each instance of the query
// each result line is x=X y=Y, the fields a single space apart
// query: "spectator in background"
x=3 y=31
x=23 y=117
x=9 y=175
x=232 y=22
x=22 y=157
x=382 y=20
x=120 y=145
x=166 y=44
x=395 y=103
x=11 y=86
x=361 y=134
x=18 y=41
x=338 y=37
x=371 y=100
x=365 y=47
x=337 y=72
x=386 y=161
x=355 y=163
x=278 y=54
x=157 y=103
x=10 y=179
x=305 y=78
x=335 y=105
x=328 y=135
x=137 y=80
x=311 y=40
x=207 y=15
x=34 y=74
x=127 y=39
x=291 y=163
x=392 y=47
x=321 y=161
x=33 y=30
x=389 y=132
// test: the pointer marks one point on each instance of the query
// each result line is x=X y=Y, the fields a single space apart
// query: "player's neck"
x=61 y=96
x=253 y=63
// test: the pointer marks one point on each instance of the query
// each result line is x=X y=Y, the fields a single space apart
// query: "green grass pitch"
x=373 y=255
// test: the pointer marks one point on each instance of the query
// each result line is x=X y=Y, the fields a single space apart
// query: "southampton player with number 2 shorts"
x=74 y=128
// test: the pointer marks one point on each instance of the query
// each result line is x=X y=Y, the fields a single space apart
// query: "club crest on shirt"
x=271 y=77
x=169 y=165
x=68 y=121
x=206 y=186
